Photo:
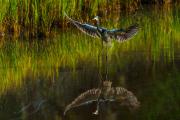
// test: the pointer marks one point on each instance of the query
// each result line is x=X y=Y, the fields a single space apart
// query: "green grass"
x=157 y=41
x=18 y=58
x=40 y=18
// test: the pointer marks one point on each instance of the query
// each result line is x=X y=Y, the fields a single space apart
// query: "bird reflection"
x=104 y=34
x=105 y=94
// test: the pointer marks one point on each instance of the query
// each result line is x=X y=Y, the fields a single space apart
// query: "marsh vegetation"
x=41 y=18
x=45 y=58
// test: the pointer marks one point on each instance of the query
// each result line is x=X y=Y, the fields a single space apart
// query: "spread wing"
x=84 y=98
x=119 y=93
x=125 y=97
x=122 y=35
x=86 y=28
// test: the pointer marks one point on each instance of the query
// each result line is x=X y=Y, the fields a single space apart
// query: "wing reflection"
x=105 y=94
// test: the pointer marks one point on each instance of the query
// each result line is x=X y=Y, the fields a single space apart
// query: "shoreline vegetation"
x=42 y=18
x=158 y=42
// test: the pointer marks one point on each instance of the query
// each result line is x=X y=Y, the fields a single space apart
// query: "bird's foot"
x=96 y=112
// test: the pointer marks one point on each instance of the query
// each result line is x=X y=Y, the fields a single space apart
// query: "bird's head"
x=106 y=86
x=96 y=20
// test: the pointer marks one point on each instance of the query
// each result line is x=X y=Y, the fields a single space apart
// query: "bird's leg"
x=97 y=107
x=106 y=63
x=100 y=58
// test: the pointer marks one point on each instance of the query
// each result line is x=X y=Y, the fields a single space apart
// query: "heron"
x=106 y=93
x=104 y=34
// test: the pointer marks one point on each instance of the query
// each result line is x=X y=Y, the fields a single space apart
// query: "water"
x=38 y=79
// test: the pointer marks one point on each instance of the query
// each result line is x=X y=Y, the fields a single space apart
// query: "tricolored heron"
x=106 y=92
x=103 y=95
x=106 y=35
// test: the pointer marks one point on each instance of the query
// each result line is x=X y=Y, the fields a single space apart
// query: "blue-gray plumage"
x=106 y=35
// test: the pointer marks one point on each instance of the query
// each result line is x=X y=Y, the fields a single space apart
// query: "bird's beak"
x=94 y=19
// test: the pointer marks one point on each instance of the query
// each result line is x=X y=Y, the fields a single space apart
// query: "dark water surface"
x=38 y=79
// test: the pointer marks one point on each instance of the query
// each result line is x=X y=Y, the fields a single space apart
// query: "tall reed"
x=157 y=41
x=39 y=18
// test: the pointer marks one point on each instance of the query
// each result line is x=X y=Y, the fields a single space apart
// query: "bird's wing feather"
x=116 y=94
x=84 y=98
x=122 y=35
x=86 y=28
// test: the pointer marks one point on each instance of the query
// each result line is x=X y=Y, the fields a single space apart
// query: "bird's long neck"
x=97 y=25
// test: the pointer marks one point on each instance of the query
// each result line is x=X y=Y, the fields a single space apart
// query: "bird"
x=104 y=34
x=106 y=93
